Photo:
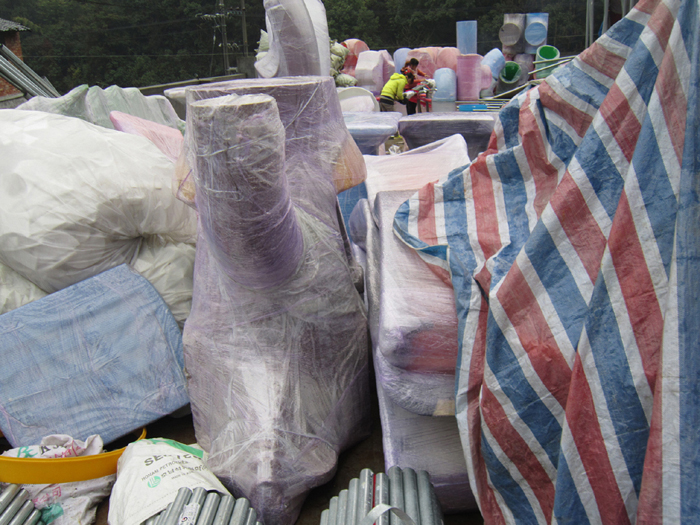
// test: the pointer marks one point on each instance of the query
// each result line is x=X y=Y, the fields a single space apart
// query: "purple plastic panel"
x=276 y=343
x=424 y=128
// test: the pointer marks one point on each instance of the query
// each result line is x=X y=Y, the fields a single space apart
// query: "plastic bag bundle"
x=447 y=57
x=413 y=319
x=414 y=168
x=373 y=69
x=94 y=104
x=424 y=128
x=102 y=357
x=298 y=39
x=276 y=344
x=355 y=47
x=78 y=199
x=427 y=59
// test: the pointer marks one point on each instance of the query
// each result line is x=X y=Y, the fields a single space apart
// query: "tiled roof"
x=7 y=25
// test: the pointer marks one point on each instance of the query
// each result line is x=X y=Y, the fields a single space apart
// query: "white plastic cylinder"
x=466 y=37
x=445 y=84
x=512 y=32
x=495 y=60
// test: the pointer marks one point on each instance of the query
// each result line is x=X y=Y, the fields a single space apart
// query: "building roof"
x=7 y=25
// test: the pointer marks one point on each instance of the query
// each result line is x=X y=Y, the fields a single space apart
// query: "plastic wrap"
x=413 y=319
x=94 y=105
x=424 y=128
x=15 y=290
x=338 y=157
x=373 y=70
x=276 y=344
x=414 y=168
x=427 y=59
x=355 y=47
x=167 y=139
x=78 y=199
x=370 y=130
x=427 y=443
x=356 y=99
x=102 y=357
x=447 y=57
x=298 y=39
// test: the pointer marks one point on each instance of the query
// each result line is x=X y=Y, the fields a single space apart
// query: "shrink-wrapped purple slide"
x=276 y=344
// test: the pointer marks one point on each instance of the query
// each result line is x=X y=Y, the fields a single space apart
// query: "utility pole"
x=245 y=32
x=221 y=14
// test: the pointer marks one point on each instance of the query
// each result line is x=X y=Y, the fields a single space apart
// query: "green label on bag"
x=175 y=444
x=154 y=482
x=50 y=513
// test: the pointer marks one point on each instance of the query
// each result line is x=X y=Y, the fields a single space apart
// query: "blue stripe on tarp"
x=525 y=400
x=563 y=146
x=515 y=198
x=509 y=117
x=601 y=171
x=642 y=70
x=506 y=486
x=568 y=509
x=581 y=85
x=558 y=281
x=688 y=263
x=657 y=192
x=626 y=32
x=624 y=406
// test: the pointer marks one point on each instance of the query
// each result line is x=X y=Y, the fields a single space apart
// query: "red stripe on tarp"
x=637 y=289
x=577 y=119
x=588 y=440
x=661 y=23
x=426 y=214
x=602 y=60
x=524 y=313
x=622 y=122
x=485 y=207
x=487 y=500
x=580 y=226
x=674 y=106
x=544 y=175
x=650 y=508
x=518 y=452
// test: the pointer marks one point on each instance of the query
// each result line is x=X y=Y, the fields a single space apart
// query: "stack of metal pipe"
x=16 y=508
x=202 y=507
x=403 y=489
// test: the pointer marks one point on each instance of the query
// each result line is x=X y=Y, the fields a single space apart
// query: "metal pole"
x=381 y=495
x=606 y=15
x=240 y=512
x=211 y=503
x=396 y=492
x=245 y=30
x=223 y=513
x=7 y=495
x=224 y=42
x=364 y=494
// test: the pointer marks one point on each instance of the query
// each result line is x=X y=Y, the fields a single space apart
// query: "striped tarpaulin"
x=573 y=245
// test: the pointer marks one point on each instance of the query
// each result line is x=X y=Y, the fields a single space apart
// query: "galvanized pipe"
x=19 y=79
x=252 y=517
x=8 y=495
x=381 y=495
x=396 y=492
x=410 y=494
x=23 y=513
x=152 y=520
x=324 y=517
x=426 y=499
x=351 y=514
x=365 y=494
x=161 y=516
x=33 y=518
x=333 y=511
x=224 y=511
x=240 y=512
x=14 y=506
x=173 y=512
x=342 y=506
x=29 y=72
x=208 y=512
